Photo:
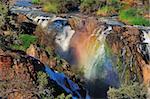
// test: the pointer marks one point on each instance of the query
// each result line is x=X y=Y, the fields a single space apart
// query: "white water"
x=147 y=42
x=101 y=66
x=63 y=40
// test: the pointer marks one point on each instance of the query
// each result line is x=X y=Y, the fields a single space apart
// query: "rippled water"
x=24 y=3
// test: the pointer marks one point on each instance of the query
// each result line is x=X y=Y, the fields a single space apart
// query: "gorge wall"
x=107 y=51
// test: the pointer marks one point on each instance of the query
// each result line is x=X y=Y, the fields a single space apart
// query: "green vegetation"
x=99 y=7
x=45 y=91
x=133 y=17
x=42 y=79
x=62 y=96
x=134 y=91
x=26 y=41
x=51 y=7
x=88 y=6
x=113 y=2
x=106 y=10
x=58 y=6
x=119 y=66
x=36 y=1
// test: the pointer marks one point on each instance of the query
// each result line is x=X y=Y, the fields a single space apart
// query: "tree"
x=133 y=91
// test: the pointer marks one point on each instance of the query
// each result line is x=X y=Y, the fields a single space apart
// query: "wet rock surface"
x=125 y=41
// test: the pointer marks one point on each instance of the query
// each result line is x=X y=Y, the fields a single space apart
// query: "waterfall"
x=90 y=52
x=145 y=46
x=98 y=63
x=93 y=57
x=85 y=46
x=63 y=40
x=147 y=41
x=64 y=34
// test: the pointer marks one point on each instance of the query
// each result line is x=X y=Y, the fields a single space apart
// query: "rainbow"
x=87 y=46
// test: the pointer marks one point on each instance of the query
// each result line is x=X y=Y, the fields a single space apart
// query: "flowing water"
x=25 y=3
x=86 y=48
x=91 y=54
x=147 y=45
x=61 y=80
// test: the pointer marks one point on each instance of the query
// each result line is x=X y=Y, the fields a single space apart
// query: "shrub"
x=42 y=79
x=26 y=41
x=51 y=7
x=60 y=6
x=88 y=6
x=106 y=11
x=62 y=96
x=132 y=16
x=134 y=91
x=113 y=3
x=44 y=39
x=36 y=1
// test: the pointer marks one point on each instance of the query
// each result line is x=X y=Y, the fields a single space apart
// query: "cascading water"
x=98 y=62
x=60 y=24
x=64 y=33
x=87 y=47
x=145 y=48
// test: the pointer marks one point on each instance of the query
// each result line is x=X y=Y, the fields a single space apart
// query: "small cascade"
x=145 y=46
x=63 y=40
x=64 y=33
x=147 y=41
x=34 y=14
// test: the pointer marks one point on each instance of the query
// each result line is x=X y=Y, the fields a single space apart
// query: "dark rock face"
x=124 y=44
x=28 y=28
